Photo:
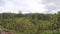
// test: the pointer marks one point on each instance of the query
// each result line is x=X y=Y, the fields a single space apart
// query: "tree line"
x=32 y=23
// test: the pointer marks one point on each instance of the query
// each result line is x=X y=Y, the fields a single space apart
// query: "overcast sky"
x=27 y=6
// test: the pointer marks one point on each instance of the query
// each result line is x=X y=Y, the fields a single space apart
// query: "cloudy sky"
x=30 y=6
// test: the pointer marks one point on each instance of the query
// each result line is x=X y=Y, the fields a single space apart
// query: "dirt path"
x=3 y=32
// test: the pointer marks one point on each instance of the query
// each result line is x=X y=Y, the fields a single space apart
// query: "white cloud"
x=40 y=6
x=52 y=5
x=25 y=5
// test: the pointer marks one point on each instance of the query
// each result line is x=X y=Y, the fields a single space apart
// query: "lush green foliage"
x=32 y=23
